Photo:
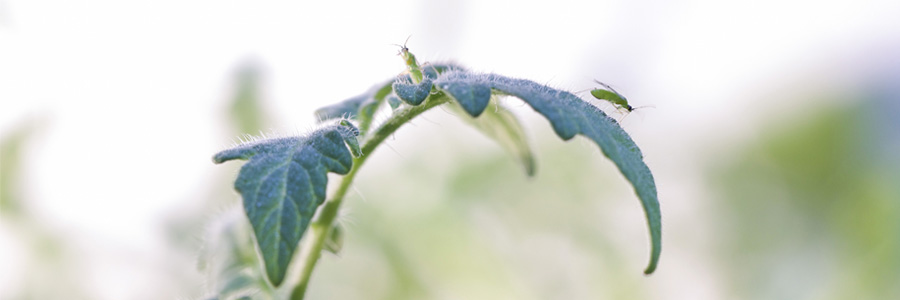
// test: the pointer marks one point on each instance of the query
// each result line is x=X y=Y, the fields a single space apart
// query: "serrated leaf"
x=502 y=126
x=569 y=115
x=411 y=93
x=283 y=183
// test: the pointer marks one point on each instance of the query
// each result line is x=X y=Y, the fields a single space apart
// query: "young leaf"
x=393 y=101
x=501 y=125
x=345 y=109
x=569 y=115
x=360 y=108
x=412 y=93
x=415 y=93
x=472 y=96
x=363 y=106
x=284 y=182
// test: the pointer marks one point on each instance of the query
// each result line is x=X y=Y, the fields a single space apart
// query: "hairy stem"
x=319 y=228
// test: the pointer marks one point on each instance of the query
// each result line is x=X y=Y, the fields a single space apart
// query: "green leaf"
x=570 y=115
x=411 y=93
x=363 y=107
x=500 y=124
x=360 y=108
x=472 y=96
x=345 y=109
x=231 y=259
x=283 y=183
x=393 y=101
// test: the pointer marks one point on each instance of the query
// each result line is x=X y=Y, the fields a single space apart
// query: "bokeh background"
x=775 y=143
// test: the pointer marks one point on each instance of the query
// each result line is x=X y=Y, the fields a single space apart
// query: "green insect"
x=617 y=100
x=415 y=72
x=610 y=94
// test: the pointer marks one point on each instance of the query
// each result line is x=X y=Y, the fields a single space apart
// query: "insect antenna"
x=403 y=47
x=607 y=87
x=633 y=109
x=642 y=106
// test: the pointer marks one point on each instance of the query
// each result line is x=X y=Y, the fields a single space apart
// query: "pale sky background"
x=129 y=95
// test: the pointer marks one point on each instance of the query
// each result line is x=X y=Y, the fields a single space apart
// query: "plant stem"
x=319 y=228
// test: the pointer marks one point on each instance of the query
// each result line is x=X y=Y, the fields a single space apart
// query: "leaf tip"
x=649 y=270
x=232 y=154
x=530 y=168
x=655 y=250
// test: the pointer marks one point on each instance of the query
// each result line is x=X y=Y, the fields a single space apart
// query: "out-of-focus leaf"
x=10 y=157
x=283 y=183
x=500 y=124
x=822 y=188
x=393 y=101
x=335 y=240
x=246 y=110
x=345 y=109
x=360 y=108
x=231 y=260
x=569 y=115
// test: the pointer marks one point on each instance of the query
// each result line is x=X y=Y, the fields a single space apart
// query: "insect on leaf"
x=282 y=184
x=569 y=116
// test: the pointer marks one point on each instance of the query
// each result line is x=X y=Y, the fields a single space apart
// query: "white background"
x=128 y=96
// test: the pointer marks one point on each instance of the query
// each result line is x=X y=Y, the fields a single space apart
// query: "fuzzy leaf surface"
x=569 y=115
x=472 y=96
x=412 y=93
x=363 y=106
x=282 y=184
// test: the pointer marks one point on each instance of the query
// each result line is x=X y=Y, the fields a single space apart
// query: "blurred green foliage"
x=227 y=260
x=10 y=170
x=481 y=229
x=811 y=210
x=49 y=253
x=246 y=110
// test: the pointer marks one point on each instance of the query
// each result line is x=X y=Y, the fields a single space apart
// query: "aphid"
x=610 y=94
x=617 y=100
x=415 y=72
